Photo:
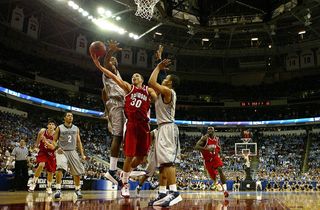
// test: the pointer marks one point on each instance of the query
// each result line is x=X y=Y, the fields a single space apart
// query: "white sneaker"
x=125 y=191
x=49 y=190
x=32 y=187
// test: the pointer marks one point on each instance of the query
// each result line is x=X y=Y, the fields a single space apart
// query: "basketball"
x=98 y=48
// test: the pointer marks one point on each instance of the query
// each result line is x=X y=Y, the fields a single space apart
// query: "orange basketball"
x=98 y=48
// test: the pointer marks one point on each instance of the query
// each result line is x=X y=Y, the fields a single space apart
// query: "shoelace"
x=170 y=197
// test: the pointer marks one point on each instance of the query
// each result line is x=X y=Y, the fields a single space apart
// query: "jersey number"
x=69 y=138
x=136 y=103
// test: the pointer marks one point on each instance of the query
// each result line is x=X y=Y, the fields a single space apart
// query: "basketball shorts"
x=136 y=138
x=70 y=159
x=49 y=159
x=167 y=145
x=213 y=165
x=116 y=116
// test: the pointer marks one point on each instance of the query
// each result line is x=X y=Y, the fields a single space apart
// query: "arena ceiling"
x=202 y=27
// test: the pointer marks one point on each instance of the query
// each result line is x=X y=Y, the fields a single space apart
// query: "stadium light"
x=101 y=10
x=85 y=13
x=108 y=13
x=302 y=32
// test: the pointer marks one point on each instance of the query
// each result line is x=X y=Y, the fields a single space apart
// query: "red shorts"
x=213 y=165
x=136 y=139
x=49 y=158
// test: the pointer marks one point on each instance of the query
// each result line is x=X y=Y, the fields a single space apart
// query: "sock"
x=77 y=187
x=224 y=187
x=49 y=184
x=163 y=189
x=58 y=186
x=113 y=163
x=173 y=187
x=125 y=177
x=35 y=179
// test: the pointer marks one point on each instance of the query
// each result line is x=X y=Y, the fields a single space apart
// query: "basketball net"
x=145 y=8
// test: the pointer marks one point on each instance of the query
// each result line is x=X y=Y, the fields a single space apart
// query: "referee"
x=21 y=166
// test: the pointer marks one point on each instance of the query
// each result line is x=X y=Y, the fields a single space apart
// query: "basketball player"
x=137 y=130
x=209 y=147
x=113 y=97
x=68 y=139
x=167 y=145
x=151 y=165
x=46 y=157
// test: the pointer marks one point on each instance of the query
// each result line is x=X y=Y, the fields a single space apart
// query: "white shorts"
x=167 y=145
x=116 y=116
x=70 y=159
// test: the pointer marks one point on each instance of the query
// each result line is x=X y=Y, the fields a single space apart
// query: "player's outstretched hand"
x=95 y=60
x=163 y=64
x=113 y=46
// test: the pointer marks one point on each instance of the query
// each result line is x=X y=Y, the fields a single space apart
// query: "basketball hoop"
x=145 y=8
x=246 y=140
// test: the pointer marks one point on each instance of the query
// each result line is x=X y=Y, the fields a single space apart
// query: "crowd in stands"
x=13 y=128
x=93 y=101
x=280 y=156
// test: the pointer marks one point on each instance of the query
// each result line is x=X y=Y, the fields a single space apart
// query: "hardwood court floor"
x=195 y=200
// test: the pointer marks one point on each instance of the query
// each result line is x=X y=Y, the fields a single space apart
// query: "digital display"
x=255 y=103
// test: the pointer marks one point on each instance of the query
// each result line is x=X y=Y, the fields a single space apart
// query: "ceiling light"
x=158 y=33
x=118 y=18
x=136 y=37
x=205 y=39
x=75 y=6
x=254 y=39
x=90 y=17
x=301 y=32
x=85 y=13
x=108 y=13
x=70 y=3
x=80 y=10
x=270 y=46
x=101 y=10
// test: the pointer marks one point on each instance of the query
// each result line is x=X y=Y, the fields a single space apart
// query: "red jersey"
x=137 y=104
x=42 y=147
x=211 y=142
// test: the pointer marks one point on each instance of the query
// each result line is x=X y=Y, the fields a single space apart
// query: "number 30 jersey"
x=137 y=104
x=68 y=137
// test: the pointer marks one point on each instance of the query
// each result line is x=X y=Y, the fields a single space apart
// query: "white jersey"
x=112 y=89
x=165 y=112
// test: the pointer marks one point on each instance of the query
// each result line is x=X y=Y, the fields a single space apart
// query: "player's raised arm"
x=112 y=47
x=123 y=84
x=165 y=91
x=200 y=145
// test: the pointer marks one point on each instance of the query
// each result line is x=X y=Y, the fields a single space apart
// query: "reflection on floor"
x=195 y=200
